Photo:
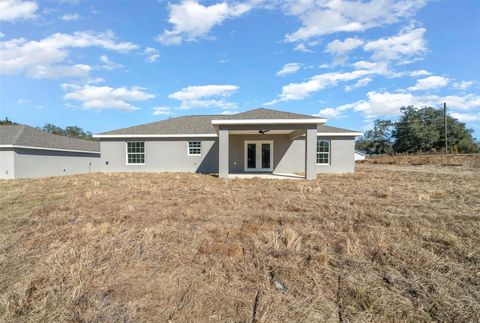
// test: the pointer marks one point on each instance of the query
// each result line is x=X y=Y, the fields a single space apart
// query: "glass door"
x=258 y=155
x=251 y=156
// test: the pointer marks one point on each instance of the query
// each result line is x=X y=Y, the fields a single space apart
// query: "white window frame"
x=126 y=153
x=188 y=148
x=329 y=153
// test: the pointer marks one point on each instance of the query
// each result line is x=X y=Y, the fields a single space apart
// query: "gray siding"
x=342 y=155
x=7 y=163
x=170 y=155
x=161 y=155
x=30 y=163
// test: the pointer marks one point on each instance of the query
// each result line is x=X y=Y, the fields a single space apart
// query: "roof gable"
x=263 y=113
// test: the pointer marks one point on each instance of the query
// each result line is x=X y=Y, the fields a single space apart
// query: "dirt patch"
x=384 y=244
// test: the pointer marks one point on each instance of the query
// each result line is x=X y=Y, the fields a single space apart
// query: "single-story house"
x=27 y=152
x=260 y=140
x=360 y=155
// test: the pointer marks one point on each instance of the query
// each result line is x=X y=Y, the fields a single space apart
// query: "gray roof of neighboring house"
x=202 y=124
x=22 y=135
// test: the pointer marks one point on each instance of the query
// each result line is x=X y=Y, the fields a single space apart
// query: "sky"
x=104 y=65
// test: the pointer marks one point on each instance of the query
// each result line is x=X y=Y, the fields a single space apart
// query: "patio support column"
x=310 y=153
x=223 y=144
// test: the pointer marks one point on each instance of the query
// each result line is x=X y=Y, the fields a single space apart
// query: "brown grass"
x=375 y=246
x=470 y=161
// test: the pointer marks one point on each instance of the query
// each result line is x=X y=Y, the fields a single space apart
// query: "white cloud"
x=105 y=97
x=465 y=117
x=463 y=85
x=151 y=54
x=289 y=69
x=38 y=58
x=404 y=47
x=11 y=10
x=388 y=104
x=201 y=96
x=321 y=18
x=302 y=48
x=340 y=48
x=71 y=17
x=429 y=83
x=22 y=101
x=192 y=20
x=330 y=113
x=58 y=71
x=160 y=111
x=360 y=83
x=299 y=91
x=420 y=73
x=108 y=64
x=2 y=35
x=229 y=112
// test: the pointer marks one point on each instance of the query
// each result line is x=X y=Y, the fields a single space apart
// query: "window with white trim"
x=135 y=152
x=323 y=152
x=194 y=148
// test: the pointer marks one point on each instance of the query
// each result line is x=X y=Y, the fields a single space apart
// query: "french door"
x=259 y=155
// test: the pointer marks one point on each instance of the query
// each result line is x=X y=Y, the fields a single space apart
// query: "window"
x=136 y=152
x=194 y=148
x=323 y=152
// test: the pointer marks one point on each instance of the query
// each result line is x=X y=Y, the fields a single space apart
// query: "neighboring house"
x=260 y=140
x=28 y=152
x=360 y=155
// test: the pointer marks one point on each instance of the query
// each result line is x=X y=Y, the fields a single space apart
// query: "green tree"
x=70 y=131
x=76 y=132
x=7 y=122
x=422 y=130
x=377 y=140
x=51 y=128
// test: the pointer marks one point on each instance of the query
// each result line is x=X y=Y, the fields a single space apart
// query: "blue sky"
x=104 y=65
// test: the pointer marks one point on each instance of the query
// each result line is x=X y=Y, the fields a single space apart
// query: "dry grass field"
x=384 y=244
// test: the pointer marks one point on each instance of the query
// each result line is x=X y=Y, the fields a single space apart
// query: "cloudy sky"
x=104 y=65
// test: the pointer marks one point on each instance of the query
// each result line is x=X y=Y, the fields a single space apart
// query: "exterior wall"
x=30 y=163
x=7 y=170
x=342 y=155
x=161 y=155
x=288 y=155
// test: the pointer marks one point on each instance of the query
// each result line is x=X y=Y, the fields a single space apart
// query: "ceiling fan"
x=262 y=132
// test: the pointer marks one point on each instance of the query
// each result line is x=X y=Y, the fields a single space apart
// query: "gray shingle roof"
x=22 y=135
x=324 y=128
x=263 y=113
x=202 y=124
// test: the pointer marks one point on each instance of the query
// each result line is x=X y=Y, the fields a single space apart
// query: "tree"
x=418 y=130
x=70 y=131
x=422 y=130
x=7 y=122
x=377 y=140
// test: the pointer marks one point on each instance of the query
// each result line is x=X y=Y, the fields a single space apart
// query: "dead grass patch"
x=380 y=245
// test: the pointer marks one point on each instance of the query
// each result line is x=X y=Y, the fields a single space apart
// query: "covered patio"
x=267 y=147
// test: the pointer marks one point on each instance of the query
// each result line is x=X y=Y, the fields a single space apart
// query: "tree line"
x=418 y=130
x=69 y=131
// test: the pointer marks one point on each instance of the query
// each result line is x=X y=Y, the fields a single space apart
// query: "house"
x=255 y=141
x=359 y=155
x=28 y=152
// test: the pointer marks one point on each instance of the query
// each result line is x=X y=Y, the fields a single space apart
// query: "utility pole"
x=445 y=126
